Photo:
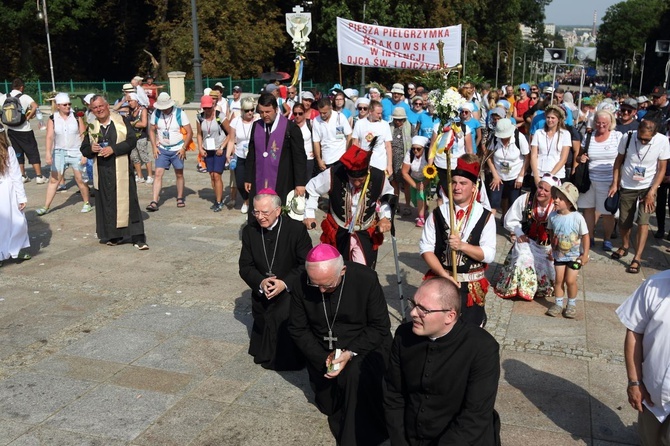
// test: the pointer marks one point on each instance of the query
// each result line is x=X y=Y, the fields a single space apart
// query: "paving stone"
x=281 y=391
x=32 y=397
x=143 y=378
x=224 y=326
x=241 y=367
x=185 y=421
x=602 y=324
x=79 y=368
x=43 y=436
x=548 y=329
x=220 y=389
x=9 y=430
x=540 y=373
x=258 y=427
x=115 y=344
x=192 y=355
x=160 y=318
x=517 y=435
x=111 y=411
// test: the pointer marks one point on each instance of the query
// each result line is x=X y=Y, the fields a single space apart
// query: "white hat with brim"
x=164 y=102
x=399 y=113
x=504 y=128
x=398 y=88
x=62 y=98
x=296 y=206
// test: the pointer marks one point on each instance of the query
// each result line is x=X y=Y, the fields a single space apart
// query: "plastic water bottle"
x=40 y=120
x=233 y=164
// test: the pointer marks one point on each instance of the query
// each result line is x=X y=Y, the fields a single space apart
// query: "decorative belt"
x=472 y=276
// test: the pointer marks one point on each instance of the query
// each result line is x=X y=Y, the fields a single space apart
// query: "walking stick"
x=452 y=219
x=403 y=308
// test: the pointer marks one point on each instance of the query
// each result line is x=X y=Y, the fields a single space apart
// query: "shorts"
x=62 y=159
x=628 y=206
x=215 y=163
x=140 y=154
x=167 y=158
x=24 y=143
x=595 y=197
x=417 y=195
x=569 y=263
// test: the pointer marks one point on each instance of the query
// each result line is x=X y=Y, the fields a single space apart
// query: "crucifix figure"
x=330 y=339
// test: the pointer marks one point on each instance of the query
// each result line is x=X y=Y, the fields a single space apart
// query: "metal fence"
x=40 y=90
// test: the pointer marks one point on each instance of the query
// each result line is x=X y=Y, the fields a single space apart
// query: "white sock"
x=572 y=301
x=559 y=301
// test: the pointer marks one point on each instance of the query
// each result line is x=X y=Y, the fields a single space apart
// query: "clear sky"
x=576 y=12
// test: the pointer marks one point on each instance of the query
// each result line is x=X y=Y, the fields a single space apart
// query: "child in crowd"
x=412 y=171
x=570 y=247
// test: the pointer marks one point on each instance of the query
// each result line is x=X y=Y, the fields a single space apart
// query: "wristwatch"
x=634 y=383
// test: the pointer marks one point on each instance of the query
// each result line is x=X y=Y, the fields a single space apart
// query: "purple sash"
x=267 y=167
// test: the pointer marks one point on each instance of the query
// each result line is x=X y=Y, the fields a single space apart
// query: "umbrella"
x=275 y=76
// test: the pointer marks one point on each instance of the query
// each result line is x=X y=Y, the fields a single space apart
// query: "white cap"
x=62 y=98
x=88 y=97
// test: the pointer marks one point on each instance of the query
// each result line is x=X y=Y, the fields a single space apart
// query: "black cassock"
x=270 y=344
x=352 y=400
x=105 y=198
x=443 y=391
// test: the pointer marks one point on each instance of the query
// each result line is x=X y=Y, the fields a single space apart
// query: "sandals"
x=180 y=203
x=621 y=252
x=153 y=207
x=634 y=267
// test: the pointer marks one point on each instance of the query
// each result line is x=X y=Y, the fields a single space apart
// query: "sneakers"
x=150 y=180
x=139 y=179
x=570 y=312
x=41 y=179
x=25 y=179
x=86 y=208
x=225 y=200
x=245 y=208
x=141 y=246
x=42 y=211
x=554 y=311
x=61 y=188
x=218 y=207
x=607 y=246
x=420 y=222
x=659 y=234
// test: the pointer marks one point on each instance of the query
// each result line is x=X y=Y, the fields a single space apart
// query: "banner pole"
x=340 y=67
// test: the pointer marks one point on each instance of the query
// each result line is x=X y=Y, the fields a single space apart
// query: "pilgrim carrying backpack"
x=12 y=112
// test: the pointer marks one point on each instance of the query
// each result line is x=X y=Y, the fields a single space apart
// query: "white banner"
x=364 y=45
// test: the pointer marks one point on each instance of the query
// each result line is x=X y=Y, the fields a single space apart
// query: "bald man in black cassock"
x=343 y=307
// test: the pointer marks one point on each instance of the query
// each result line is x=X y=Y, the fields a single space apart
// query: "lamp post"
x=523 y=76
x=474 y=51
x=630 y=62
x=42 y=14
x=644 y=55
x=506 y=55
x=663 y=47
x=197 y=60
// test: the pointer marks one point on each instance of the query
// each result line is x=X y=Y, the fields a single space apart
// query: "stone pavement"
x=112 y=346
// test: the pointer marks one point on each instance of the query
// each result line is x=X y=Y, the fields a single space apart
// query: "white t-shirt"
x=647 y=312
x=457 y=150
x=332 y=136
x=307 y=140
x=222 y=105
x=639 y=167
x=549 y=150
x=26 y=102
x=602 y=156
x=242 y=136
x=236 y=108
x=364 y=131
x=66 y=132
x=508 y=161
x=169 y=135
x=416 y=165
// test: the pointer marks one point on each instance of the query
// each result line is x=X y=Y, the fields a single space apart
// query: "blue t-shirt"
x=427 y=122
x=388 y=106
x=474 y=124
x=539 y=120
x=346 y=112
x=568 y=230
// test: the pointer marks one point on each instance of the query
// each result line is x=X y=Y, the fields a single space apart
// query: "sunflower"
x=429 y=171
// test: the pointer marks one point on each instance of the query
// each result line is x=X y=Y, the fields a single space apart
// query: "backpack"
x=12 y=111
x=157 y=114
x=659 y=115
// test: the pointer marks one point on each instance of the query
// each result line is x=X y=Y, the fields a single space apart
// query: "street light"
x=498 y=61
x=662 y=47
x=42 y=14
x=197 y=60
x=465 y=55
x=631 y=63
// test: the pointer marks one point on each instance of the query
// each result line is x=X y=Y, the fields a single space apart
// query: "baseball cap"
x=658 y=92
x=307 y=95
x=269 y=88
x=548 y=90
x=237 y=88
x=206 y=102
x=630 y=102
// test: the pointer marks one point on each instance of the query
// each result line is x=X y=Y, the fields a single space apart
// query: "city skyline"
x=562 y=12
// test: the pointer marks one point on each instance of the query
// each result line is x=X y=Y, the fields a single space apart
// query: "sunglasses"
x=67 y=105
x=417 y=149
x=362 y=108
x=533 y=97
x=298 y=113
x=553 y=177
x=627 y=111
x=247 y=110
x=420 y=104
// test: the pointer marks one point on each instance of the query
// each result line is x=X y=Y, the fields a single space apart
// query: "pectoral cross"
x=330 y=339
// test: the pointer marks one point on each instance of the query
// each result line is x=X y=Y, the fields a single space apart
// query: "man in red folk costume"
x=360 y=206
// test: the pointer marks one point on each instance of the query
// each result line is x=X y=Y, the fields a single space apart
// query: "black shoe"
x=660 y=233
x=114 y=241
x=615 y=234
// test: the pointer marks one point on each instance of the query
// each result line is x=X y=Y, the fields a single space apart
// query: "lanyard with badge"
x=504 y=164
x=639 y=170
x=339 y=129
x=209 y=140
x=166 y=129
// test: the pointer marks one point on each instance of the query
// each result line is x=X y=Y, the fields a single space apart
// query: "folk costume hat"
x=356 y=161
x=467 y=170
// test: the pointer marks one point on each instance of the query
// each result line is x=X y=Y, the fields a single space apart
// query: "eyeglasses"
x=298 y=113
x=247 y=110
x=533 y=97
x=256 y=213
x=66 y=105
x=362 y=108
x=424 y=311
x=420 y=104
x=325 y=287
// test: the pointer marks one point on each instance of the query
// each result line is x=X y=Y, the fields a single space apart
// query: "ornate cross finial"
x=297 y=9
x=440 y=48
